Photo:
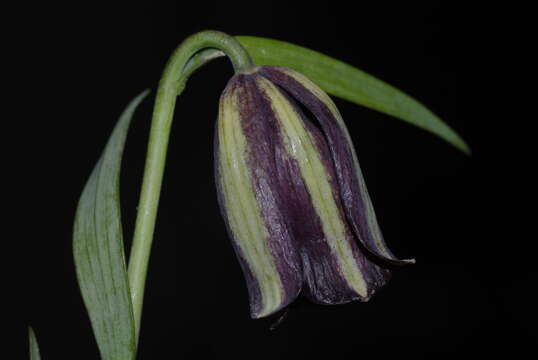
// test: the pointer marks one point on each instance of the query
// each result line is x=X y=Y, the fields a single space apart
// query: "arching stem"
x=170 y=86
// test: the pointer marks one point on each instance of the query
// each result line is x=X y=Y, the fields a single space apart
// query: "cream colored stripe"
x=322 y=96
x=302 y=148
x=243 y=210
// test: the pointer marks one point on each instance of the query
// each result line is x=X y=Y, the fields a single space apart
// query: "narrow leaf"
x=99 y=252
x=34 y=347
x=349 y=83
x=198 y=60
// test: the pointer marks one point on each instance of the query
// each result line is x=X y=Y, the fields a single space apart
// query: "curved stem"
x=171 y=84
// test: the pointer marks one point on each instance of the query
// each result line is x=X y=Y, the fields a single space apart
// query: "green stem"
x=171 y=84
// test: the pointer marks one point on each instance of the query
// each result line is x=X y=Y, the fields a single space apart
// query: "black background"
x=433 y=202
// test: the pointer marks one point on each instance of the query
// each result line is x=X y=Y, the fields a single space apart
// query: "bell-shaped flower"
x=293 y=196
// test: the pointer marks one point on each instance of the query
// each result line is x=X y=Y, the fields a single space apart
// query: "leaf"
x=349 y=83
x=198 y=60
x=99 y=253
x=34 y=347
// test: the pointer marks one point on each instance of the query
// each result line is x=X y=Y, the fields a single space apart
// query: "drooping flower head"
x=293 y=196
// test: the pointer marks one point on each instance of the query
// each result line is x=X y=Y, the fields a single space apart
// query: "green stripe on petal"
x=321 y=95
x=244 y=214
x=301 y=147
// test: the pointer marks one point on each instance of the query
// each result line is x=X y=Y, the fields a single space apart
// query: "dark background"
x=467 y=294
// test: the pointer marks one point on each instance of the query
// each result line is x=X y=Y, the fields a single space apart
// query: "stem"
x=171 y=84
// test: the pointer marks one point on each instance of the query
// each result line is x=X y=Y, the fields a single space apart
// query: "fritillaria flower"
x=293 y=196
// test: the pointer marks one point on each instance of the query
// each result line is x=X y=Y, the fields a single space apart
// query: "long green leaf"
x=99 y=252
x=349 y=83
x=34 y=347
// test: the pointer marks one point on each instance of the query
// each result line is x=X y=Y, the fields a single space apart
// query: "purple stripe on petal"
x=353 y=192
x=324 y=282
x=257 y=122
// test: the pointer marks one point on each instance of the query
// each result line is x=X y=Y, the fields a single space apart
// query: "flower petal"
x=334 y=268
x=250 y=199
x=353 y=192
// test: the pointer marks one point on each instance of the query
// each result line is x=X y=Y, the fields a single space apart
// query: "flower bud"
x=292 y=195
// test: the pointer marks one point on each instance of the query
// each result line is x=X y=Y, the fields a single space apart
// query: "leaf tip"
x=461 y=145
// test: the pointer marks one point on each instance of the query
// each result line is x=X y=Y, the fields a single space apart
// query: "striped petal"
x=354 y=195
x=334 y=268
x=250 y=200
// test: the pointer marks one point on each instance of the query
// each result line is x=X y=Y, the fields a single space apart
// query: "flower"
x=292 y=194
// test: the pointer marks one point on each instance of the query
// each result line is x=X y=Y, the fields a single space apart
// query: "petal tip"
x=394 y=261
x=404 y=261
